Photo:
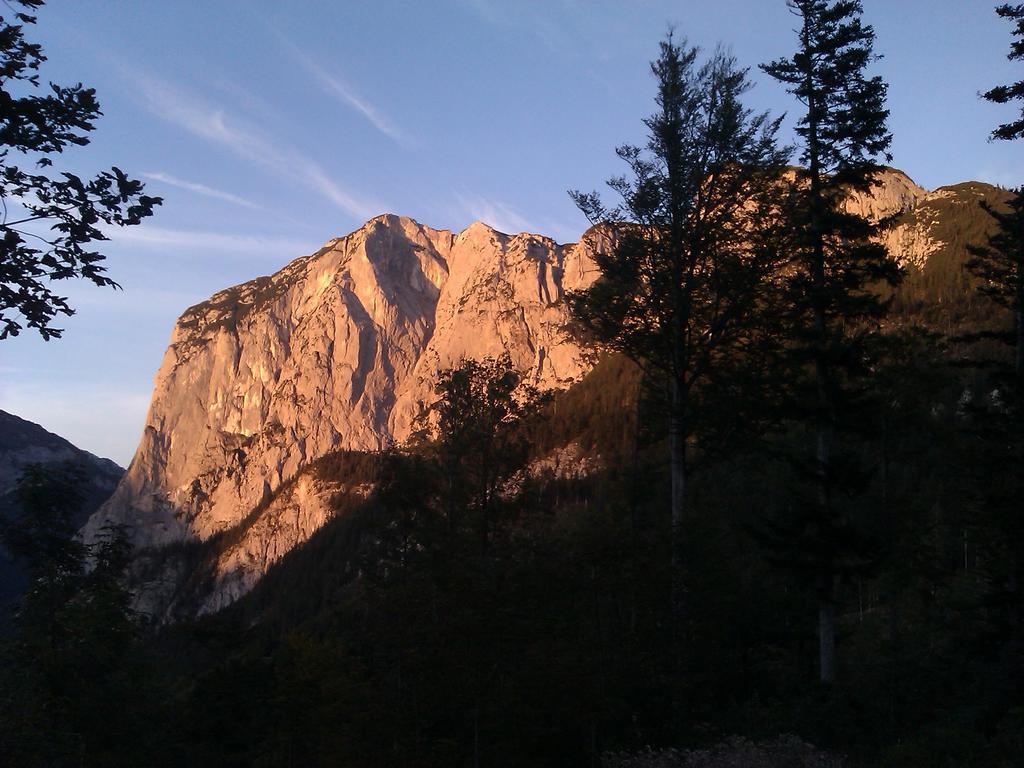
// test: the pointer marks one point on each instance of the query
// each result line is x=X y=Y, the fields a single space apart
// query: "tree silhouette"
x=471 y=432
x=1003 y=94
x=50 y=221
x=1000 y=263
x=830 y=306
x=70 y=680
x=681 y=282
x=998 y=419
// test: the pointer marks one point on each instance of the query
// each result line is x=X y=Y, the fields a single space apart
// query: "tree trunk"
x=823 y=418
x=677 y=469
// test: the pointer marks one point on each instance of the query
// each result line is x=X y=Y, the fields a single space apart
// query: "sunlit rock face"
x=339 y=349
x=908 y=238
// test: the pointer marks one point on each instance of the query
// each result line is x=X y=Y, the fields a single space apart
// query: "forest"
x=793 y=536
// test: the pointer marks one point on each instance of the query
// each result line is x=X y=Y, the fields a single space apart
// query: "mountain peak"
x=337 y=350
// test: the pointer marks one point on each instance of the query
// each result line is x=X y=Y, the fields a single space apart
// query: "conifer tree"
x=1000 y=264
x=1003 y=94
x=689 y=256
x=830 y=302
x=998 y=420
x=1000 y=267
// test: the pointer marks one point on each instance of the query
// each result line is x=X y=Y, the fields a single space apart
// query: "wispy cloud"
x=191 y=113
x=345 y=93
x=202 y=189
x=136 y=302
x=145 y=235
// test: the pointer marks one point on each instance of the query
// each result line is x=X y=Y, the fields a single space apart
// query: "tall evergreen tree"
x=1000 y=267
x=471 y=433
x=998 y=420
x=1003 y=94
x=831 y=302
x=1000 y=264
x=689 y=256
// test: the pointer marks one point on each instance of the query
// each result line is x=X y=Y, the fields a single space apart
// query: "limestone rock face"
x=338 y=350
x=503 y=295
x=290 y=518
x=893 y=193
x=909 y=238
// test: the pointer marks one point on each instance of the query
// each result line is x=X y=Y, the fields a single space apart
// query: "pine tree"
x=831 y=300
x=998 y=420
x=690 y=253
x=1000 y=264
x=1003 y=94
x=1000 y=267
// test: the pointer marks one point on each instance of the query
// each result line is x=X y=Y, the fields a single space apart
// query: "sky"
x=269 y=128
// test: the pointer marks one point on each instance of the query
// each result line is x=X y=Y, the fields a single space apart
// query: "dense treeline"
x=392 y=639
x=803 y=530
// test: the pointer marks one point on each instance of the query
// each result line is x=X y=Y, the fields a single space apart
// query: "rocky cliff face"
x=340 y=350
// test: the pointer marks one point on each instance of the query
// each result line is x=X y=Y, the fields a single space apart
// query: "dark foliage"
x=999 y=267
x=690 y=251
x=390 y=639
x=829 y=306
x=1004 y=94
x=57 y=217
x=74 y=681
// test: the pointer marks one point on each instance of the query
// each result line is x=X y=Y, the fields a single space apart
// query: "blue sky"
x=270 y=128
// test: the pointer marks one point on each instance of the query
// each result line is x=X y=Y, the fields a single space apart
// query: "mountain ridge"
x=24 y=442
x=340 y=349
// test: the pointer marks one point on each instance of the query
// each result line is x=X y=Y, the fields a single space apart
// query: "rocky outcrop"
x=892 y=194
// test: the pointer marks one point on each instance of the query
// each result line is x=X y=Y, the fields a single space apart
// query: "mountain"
x=339 y=351
x=22 y=443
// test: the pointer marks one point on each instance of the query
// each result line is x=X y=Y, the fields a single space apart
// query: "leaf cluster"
x=50 y=221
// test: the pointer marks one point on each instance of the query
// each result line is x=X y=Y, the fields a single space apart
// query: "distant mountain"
x=22 y=443
x=340 y=349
